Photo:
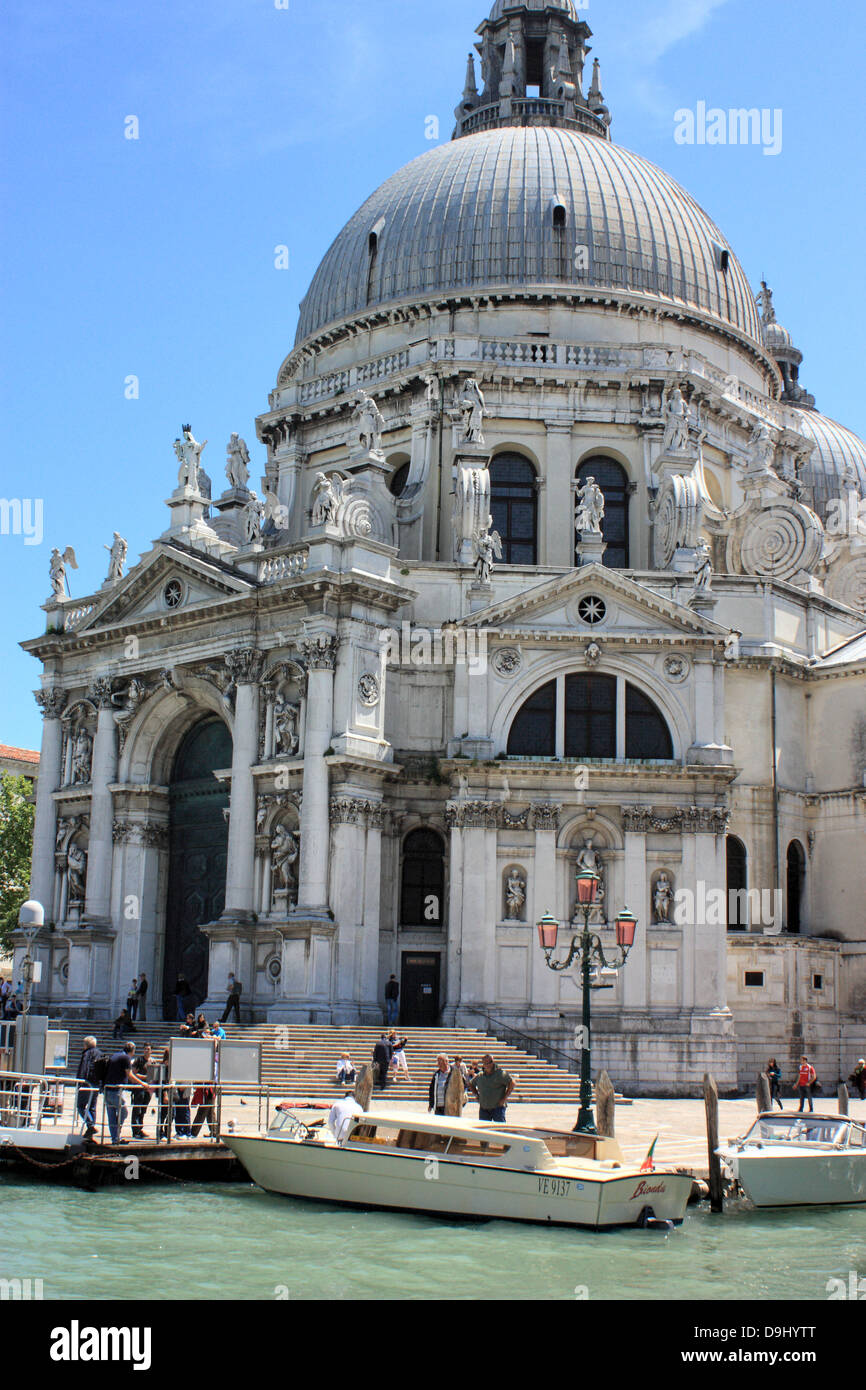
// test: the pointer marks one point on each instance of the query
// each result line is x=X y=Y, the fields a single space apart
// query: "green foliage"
x=16 y=846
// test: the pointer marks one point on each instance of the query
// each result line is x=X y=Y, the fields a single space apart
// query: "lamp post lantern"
x=588 y=949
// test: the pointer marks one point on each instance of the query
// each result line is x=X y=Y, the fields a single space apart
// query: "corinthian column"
x=245 y=665
x=320 y=654
x=51 y=703
x=97 y=906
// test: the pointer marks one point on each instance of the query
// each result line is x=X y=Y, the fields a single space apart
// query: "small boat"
x=798 y=1160
x=447 y=1166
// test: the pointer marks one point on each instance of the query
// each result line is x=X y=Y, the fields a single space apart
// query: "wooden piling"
x=842 y=1094
x=764 y=1095
x=364 y=1086
x=605 y=1106
x=711 y=1107
x=455 y=1093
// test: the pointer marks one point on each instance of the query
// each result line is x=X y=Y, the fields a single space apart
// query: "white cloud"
x=672 y=21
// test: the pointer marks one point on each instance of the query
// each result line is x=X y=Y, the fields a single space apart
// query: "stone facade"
x=370 y=634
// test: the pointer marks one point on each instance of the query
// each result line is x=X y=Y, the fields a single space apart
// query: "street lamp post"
x=587 y=947
x=31 y=918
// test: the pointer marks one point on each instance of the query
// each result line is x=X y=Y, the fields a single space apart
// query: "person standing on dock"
x=233 y=1003
x=774 y=1076
x=142 y=998
x=492 y=1086
x=88 y=1093
x=806 y=1079
x=141 y=1096
x=118 y=1076
x=392 y=994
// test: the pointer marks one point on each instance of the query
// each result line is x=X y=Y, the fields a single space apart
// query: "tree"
x=16 y=847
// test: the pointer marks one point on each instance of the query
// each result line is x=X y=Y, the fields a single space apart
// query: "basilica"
x=547 y=559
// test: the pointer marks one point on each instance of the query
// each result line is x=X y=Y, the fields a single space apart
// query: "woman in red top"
x=805 y=1081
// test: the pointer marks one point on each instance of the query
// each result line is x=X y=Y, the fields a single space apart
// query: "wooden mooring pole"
x=764 y=1097
x=605 y=1106
x=711 y=1106
x=843 y=1098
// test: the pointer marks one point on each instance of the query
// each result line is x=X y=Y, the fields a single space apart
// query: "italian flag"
x=647 y=1165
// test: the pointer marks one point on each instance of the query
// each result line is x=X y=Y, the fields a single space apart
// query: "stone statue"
x=116 y=557
x=189 y=453
x=252 y=515
x=488 y=546
x=136 y=694
x=472 y=411
x=677 y=416
x=276 y=514
x=237 y=460
x=764 y=299
x=590 y=508
x=662 y=898
x=515 y=896
x=589 y=858
x=369 y=423
x=76 y=865
x=287 y=719
x=82 y=754
x=57 y=570
x=327 y=495
x=431 y=391
x=704 y=569
x=285 y=849
x=762 y=450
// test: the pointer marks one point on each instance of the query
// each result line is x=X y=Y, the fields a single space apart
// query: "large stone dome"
x=501 y=7
x=479 y=214
x=839 y=453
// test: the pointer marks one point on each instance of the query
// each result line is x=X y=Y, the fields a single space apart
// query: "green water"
x=213 y=1242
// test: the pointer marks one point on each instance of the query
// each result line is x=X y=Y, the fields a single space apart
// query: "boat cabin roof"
x=438 y=1124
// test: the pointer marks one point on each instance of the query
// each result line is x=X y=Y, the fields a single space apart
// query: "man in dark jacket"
x=382 y=1061
x=87 y=1095
x=119 y=1076
x=392 y=994
x=142 y=998
x=233 y=1003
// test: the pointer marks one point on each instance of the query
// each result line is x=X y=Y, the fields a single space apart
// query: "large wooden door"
x=419 y=989
x=198 y=855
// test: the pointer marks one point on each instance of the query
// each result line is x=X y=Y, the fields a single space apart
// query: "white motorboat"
x=795 y=1159
x=459 y=1167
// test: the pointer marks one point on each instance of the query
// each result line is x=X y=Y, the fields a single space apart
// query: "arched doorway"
x=737 y=883
x=796 y=865
x=198 y=851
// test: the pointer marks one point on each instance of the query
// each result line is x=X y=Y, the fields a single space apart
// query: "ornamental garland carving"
x=686 y=820
x=346 y=810
x=245 y=665
x=320 y=653
x=51 y=702
x=492 y=815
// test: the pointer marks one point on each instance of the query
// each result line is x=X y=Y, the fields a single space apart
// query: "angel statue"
x=189 y=453
x=237 y=459
x=472 y=409
x=677 y=415
x=327 y=495
x=116 y=557
x=284 y=855
x=369 y=423
x=252 y=515
x=276 y=514
x=590 y=508
x=57 y=569
x=487 y=546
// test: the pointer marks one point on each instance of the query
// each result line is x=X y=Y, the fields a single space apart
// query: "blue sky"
x=262 y=126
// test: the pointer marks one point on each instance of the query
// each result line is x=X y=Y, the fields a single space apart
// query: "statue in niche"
x=327 y=493
x=677 y=415
x=82 y=756
x=189 y=452
x=590 y=508
x=116 y=557
x=663 y=895
x=589 y=858
x=488 y=547
x=252 y=518
x=704 y=568
x=369 y=423
x=57 y=570
x=237 y=463
x=515 y=896
x=285 y=849
x=76 y=865
x=287 y=718
x=472 y=411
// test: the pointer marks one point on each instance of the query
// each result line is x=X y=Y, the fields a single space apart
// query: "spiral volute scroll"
x=785 y=540
x=848 y=584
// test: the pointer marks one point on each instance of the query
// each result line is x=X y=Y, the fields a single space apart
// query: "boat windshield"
x=798 y=1129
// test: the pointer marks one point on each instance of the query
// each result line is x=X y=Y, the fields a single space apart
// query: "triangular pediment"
x=166 y=573
x=631 y=608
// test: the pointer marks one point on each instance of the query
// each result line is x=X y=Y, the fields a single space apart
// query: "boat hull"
x=437 y=1186
x=801 y=1180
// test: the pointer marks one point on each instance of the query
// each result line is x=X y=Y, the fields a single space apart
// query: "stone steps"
x=301 y=1058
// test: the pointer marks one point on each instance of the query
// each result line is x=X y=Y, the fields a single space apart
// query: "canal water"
x=236 y=1242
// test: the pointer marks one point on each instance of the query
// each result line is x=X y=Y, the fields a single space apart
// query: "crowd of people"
x=806 y=1082
x=145 y=1079
x=11 y=1000
x=484 y=1081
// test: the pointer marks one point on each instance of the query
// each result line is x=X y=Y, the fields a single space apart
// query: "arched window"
x=513 y=505
x=533 y=732
x=422 y=884
x=737 y=884
x=796 y=867
x=589 y=723
x=613 y=481
x=398 y=480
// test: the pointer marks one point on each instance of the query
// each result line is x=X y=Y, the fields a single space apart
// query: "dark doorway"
x=737 y=884
x=198 y=851
x=419 y=989
x=796 y=881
